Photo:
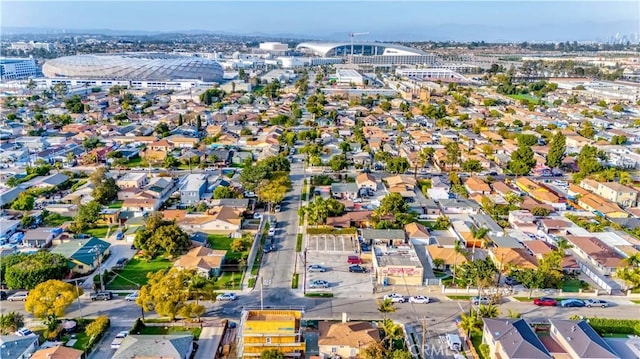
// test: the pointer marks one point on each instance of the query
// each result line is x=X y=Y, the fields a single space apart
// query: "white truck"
x=454 y=343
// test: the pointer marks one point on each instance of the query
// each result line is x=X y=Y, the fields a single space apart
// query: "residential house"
x=418 y=232
x=192 y=189
x=357 y=219
x=502 y=189
x=459 y=206
x=448 y=254
x=523 y=221
x=346 y=339
x=580 y=340
x=601 y=206
x=262 y=330
x=540 y=248
x=344 y=190
x=439 y=188
x=166 y=346
x=596 y=253
x=219 y=219
x=18 y=347
x=512 y=339
x=132 y=180
x=40 y=237
x=475 y=185
x=141 y=204
x=506 y=258
x=179 y=141
x=84 y=255
x=365 y=180
x=398 y=265
x=537 y=191
x=620 y=194
x=58 y=352
x=205 y=261
x=158 y=150
x=485 y=221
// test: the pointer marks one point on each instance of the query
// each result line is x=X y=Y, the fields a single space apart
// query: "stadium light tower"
x=352 y=35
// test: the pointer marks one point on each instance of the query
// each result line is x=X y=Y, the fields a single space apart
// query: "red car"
x=354 y=260
x=545 y=302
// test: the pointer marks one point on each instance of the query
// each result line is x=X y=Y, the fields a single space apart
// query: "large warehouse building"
x=375 y=53
x=133 y=67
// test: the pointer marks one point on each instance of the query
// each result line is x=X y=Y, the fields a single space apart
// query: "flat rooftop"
x=400 y=257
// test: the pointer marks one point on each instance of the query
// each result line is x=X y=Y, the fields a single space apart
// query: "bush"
x=96 y=329
x=615 y=326
x=319 y=295
x=294 y=281
x=299 y=243
x=327 y=230
x=138 y=325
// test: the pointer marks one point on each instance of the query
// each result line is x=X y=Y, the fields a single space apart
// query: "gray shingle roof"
x=517 y=338
x=156 y=346
x=583 y=339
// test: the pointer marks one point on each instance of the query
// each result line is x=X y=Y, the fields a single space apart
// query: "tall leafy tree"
x=453 y=153
x=557 y=149
x=165 y=292
x=522 y=161
x=48 y=300
x=392 y=203
x=34 y=269
x=11 y=322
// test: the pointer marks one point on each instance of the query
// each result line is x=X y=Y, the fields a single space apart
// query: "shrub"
x=331 y=231
x=96 y=329
x=294 y=281
x=138 y=325
x=320 y=295
x=615 y=326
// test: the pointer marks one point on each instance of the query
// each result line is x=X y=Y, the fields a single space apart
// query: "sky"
x=428 y=20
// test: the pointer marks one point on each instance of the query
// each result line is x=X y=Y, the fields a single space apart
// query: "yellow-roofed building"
x=270 y=329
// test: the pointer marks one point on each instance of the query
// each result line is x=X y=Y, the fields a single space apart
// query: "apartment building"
x=270 y=329
x=192 y=189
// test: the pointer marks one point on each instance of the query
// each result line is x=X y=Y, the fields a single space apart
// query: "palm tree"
x=488 y=311
x=563 y=244
x=469 y=322
x=392 y=333
x=633 y=261
x=458 y=249
x=438 y=263
x=386 y=306
x=196 y=283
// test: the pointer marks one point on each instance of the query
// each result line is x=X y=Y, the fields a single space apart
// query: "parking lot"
x=332 y=252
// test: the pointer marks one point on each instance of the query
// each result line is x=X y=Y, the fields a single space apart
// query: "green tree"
x=24 y=202
x=588 y=160
x=392 y=203
x=470 y=322
x=274 y=191
x=90 y=143
x=540 y=211
x=385 y=306
x=586 y=129
x=198 y=122
x=397 y=165
x=165 y=292
x=271 y=354
x=472 y=166
x=338 y=162
x=526 y=139
x=161 y=235
x=88 y=215
x=49 y=300
x=105 y=188
x=522 y=161
x=530 y=278
x=488 y=311
x=453 y=153
x=223 y=192
x=10 y=322
x=180 y=120
x=170 y=162
x=385 y=105
x=557 y=149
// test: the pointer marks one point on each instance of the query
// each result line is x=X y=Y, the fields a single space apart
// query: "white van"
x=454 y=343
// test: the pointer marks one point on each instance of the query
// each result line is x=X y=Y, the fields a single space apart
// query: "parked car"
x=257 y=215
x=419 y=299
x=121 y=262
x=395 y=298
x=119 y=236
x=596 y=303
x=510 y=281
x=3 y=295
x=268 y=247
x=568 y=303
x=356 y=268
x=19 y=296
x=115 y=344
x=226 y=297
x=354 y=260
x=545 y=302
x=101 y=295
x=318 y=284
x=480 y=300
x=277 y=208
x=132 y=297
x=317 y=268
x=272 y=231
x=24 y=332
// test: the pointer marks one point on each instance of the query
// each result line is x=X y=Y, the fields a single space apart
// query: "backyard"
x=525 y=97
x=574 y=285
x=98 y=232
x=136 y=272
x=163 y=330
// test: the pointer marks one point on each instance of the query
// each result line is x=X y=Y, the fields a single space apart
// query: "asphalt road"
x=278 y=267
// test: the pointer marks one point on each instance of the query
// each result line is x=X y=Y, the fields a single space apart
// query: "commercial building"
x=431 y=74
x=397 y=266
x=262 y=330
x=87 y=82
x=348 y=77
x=28 y=46
x=17 y=68
x=273 y=47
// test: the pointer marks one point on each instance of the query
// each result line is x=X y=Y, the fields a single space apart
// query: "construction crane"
x=352 y=35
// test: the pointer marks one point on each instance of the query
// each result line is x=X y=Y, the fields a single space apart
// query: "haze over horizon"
x=385 y=21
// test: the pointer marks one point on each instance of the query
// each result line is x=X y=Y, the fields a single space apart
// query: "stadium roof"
x=134 y=66
x=359 y=48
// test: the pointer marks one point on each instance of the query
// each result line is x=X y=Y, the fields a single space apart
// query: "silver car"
x=319 y=284
x=317 y=268
x=596 y=303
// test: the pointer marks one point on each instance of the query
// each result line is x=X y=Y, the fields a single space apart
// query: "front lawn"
x=98 y=232
x=81 y=341
x=164 y=330
x=229 y=280
x=136 y=271
x=223 y=242
x=573 y=285
x=56 y=220
x=527 y=97
x=116 y=204
x=460 y=297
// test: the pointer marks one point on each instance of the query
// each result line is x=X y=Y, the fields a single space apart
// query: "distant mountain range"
x=587 y=31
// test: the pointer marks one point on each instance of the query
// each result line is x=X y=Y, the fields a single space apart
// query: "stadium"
x=134 y=67
x=367 y=52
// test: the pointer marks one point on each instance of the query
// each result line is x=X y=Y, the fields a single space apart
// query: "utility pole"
x=78 y=298
x=261 y=293
x=96 y=249
x=424 y=336
x=304 y=273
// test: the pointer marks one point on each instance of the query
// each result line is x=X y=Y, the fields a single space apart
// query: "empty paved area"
x=331 y=243
x=342 y=283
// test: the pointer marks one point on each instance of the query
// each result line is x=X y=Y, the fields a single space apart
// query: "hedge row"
x=615 y=326
x=331 y=231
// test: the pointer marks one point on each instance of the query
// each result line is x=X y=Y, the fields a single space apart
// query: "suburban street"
x=278 y=266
